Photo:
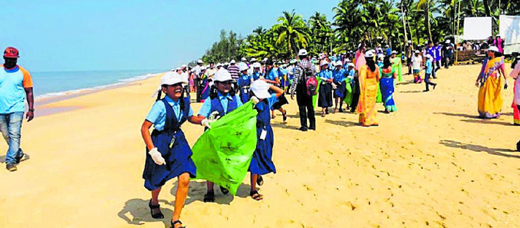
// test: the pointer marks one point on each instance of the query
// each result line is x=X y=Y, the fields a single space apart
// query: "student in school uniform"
x=168 y=153
x=340 y=77
x=244 y=82
x=223 y=100
x=272 y=77
x=416 y=64
x=428 y=71
x=262 y=161
x=257 y=71
x=325 y=91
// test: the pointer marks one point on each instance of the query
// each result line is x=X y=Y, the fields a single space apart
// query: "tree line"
x=392 y=22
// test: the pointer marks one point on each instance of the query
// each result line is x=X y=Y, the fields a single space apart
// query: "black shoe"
x=173 y=223
x=303 y=129
x=340 y=110
x=209 y=197
x=158 y=215
x=426 y=90
x=312 y=128
x=284 y=116
x=11 y=167
x=327 y=111
x=224 y=190
x=434 y=86
x=22 y=158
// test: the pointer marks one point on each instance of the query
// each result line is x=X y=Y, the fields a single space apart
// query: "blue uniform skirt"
x=325 y=95
x=178 y=159
x=341 y=90
x=262 y=161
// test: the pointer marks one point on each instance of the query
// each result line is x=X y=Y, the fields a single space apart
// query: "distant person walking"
x=15 y=86
x=490 y=83
x=303 y=73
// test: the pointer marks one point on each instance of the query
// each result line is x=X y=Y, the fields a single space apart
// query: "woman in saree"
x=491 y=80
x=388 y=76
x=515 y=74
x=368 y=83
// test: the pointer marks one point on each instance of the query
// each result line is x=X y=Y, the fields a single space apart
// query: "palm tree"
x=292 y=32
x=321 y=32
x=426 y=5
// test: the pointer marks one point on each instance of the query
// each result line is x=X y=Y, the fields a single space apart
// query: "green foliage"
x=382 y=22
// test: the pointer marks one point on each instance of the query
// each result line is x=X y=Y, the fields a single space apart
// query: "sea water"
x=51 y=84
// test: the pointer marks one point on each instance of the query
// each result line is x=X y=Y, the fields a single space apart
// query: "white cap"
x=253 y=60
x=409 y=41
x=178 y=68
x=324 y=62
x=265 y=59
x=203 y=68
x=244 y=59
x=200 y=61
x=369 y=54
x=417 y=52
x=429 y=56
x=261 y=89
x=293 y=61
x=493 y=48
x=302 y=52
x=226 y=64
x=381 y=56
x=339 y=63
x=172 y=78
x=232 y=61
x=219 y=64
x=183 y=66
x=394 y=52
x=350 y=65
x=222 y=76
x=242 y=66
x=448 y=41
x=257 y=65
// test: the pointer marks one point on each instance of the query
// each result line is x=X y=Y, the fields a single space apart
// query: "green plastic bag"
x=223 y=153
x=349 y=93
x=315 y=97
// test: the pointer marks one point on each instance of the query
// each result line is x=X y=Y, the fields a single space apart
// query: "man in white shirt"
x=186 y=77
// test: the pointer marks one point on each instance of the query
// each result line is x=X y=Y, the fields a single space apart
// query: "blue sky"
x=65 y=35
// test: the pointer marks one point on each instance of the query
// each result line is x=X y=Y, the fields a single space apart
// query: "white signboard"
x=477 y=28
x=510 y=31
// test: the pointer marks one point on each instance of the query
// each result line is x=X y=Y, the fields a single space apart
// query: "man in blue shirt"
x=388 y=50
x=431 y=51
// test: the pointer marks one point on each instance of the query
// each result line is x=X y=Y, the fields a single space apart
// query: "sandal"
x=224 y=190
x=259 y=180
x=175 y=222
x=209 y=197
x=256 y=196
x=158 y=215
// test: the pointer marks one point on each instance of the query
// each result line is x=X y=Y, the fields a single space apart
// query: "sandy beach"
x=431 y=164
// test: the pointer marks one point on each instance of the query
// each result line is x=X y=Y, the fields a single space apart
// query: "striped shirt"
x=234 y=71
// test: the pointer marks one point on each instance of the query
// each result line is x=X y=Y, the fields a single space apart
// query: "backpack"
x=309 y=79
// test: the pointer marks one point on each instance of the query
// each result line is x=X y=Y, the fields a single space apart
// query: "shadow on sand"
x=139 y=210
x=343 y=123
x=478 y=148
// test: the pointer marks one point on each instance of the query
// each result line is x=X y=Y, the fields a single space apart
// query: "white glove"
x=255 y=100
x=205 y=123
x=214 y=116
x=156 y=156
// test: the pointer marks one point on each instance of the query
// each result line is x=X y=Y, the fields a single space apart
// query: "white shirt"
x=416 y=62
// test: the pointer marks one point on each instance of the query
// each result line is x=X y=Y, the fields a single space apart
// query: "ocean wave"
x=120 y=82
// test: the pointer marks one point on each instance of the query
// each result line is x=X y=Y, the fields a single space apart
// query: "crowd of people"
x=354 y=80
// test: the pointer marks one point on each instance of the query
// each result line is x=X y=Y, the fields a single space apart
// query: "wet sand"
x=431 y=164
